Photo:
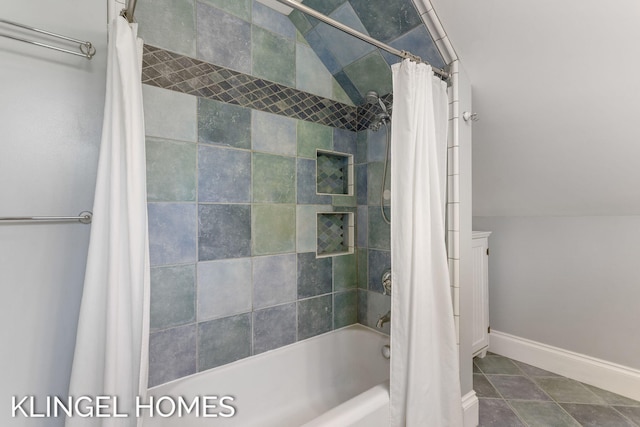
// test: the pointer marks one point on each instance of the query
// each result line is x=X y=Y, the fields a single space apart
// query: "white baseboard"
x=597 y=372
x=471 y=408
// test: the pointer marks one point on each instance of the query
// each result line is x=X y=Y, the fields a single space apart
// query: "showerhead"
x=372 y=97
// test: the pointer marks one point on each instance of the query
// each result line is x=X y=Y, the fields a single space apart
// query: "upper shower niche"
x=356 y=65
x=334 y=173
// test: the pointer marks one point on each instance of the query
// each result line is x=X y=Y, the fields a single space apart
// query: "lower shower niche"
x=335 y=233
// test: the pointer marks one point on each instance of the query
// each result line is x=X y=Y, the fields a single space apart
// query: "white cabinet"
x=480 y=293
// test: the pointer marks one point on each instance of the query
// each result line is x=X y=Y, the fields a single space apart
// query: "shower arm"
x=443 y=74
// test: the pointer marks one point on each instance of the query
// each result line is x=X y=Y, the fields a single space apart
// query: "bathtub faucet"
x=383 y=319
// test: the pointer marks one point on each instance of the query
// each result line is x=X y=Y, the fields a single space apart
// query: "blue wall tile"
x=223 y=341
x=344 y=48
x=224 y=288
x=361 y=184
x=172 y=354
x=372 y=306
x=361 y=143
x=307 y=184
x=315 y=316
x=223 y=124
x=314 y=275
x=324 y=6
x=419 y=42
x=224 y=175
x=274 y=327
x=224 y=231
x=321 y=49
x=274 y=280
x=362 y=228
x=172 y=233
x=345 y=141
x=377 y=145
x=223 y=39
x=379 y=262
x=348 y=86
x=388 y=19
x=273 y=21
x=272 y=133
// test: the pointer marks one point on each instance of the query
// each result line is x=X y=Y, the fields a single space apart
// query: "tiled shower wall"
x=374 y=235
x=231 y=193
x=232 y=201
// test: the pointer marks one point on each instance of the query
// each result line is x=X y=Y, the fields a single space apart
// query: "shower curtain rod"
x=401 y=53
x=129 y=11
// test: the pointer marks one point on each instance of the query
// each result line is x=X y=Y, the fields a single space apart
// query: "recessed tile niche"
x=334 y=173
x=335 y=233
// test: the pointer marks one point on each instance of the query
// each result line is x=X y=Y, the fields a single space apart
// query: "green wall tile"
x=274 y=179
x=300 y=20
x=171 y=171
x=273 y=56
x=339 y=94
x=345 y=309
x=239 y=8
x=173 y=299
x=363 y=267
x=345 y=272
x=370 y=73
x=312 y=136
x=306 y=217
x=375 y=170
x=274 y=229
x=169 y=114
x=379 y=231
x=169 y=24
x=311 y=74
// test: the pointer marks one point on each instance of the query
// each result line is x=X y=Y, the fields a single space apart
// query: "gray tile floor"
x=515 y=394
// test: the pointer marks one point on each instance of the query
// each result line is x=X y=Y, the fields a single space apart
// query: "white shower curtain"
x=112 y=339
x=425 y=384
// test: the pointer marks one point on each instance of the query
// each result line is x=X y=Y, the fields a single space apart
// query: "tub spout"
x=384 y=319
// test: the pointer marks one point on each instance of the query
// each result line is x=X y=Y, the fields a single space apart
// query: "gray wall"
x=51 y=118
x=567 y=281
x=555 y=149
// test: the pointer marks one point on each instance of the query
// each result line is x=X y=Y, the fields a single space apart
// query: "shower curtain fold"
x=425 y=384
x=112 y=339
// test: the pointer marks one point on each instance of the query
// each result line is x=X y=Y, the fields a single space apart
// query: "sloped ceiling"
x=557 y=91
x=358 y=66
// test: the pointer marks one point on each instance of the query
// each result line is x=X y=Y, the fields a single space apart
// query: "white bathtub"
x=338 y=379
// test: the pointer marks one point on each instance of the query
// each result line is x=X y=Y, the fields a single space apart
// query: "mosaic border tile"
x=181 y=73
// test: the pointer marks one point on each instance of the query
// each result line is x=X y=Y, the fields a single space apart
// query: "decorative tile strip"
x=177 y=72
